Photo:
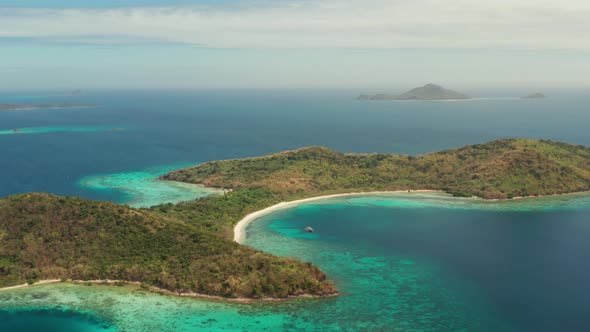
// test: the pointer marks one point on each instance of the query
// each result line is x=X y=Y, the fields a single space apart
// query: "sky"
x=360 y=44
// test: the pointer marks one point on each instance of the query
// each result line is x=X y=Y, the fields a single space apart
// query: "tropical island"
x=536 y=95
x=426 y=92
x=188 y=248
x=16 y=107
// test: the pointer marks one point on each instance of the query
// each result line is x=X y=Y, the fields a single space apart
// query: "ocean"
x=403 y=263
x=138 y=131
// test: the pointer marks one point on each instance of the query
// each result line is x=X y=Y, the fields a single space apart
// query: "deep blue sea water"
x=51 y=320
x=179 y=127
x=402 y=263
x=433 y=262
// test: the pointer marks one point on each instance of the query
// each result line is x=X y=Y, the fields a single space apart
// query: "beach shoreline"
x=240 y=227
x=161 y=291
x=240 y=236
x=40 y=282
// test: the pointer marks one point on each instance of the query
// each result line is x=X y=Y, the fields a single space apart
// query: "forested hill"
x=500 y=169
x=45 y=237
x=188 y=248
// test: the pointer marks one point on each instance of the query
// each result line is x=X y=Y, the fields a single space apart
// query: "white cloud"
x=372 y=24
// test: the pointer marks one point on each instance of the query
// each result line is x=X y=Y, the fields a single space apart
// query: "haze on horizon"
x=293 y=44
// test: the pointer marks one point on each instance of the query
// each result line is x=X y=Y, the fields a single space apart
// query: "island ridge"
x=496 y=170
x=188 y=248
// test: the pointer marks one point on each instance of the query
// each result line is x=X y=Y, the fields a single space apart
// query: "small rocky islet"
x=426 y=92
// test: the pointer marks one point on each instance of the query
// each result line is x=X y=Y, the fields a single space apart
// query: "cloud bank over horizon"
x=363 y=24
x=267 y=31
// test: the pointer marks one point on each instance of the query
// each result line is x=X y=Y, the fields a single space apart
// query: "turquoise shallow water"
x=169 y=127
x=143 y=189
x=424 y=263
x=403 y=262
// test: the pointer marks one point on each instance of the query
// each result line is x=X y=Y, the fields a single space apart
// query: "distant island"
x=427 y=92
x=13 y=107
x=188 y=249
x=536 y=95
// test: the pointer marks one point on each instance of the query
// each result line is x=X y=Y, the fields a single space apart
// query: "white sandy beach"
x=52 y=281
x=41 y=282
x=240 y=228
x=155 y=289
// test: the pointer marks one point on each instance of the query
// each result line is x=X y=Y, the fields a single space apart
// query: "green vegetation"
x=49 y=237
x=500 y=169
x=188 y=247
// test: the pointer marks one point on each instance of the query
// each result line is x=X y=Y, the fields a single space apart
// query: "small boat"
x=309 y=229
